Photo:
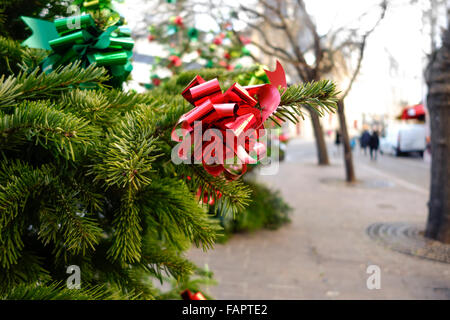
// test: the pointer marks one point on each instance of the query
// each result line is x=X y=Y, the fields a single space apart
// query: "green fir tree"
x=86 y=179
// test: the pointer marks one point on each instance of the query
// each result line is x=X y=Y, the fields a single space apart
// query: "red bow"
x=237 y=114
x=188 y=295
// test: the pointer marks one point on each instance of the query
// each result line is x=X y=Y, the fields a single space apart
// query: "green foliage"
x=39 y=85
x=10 y=55
x=86 y=178
x=55 y=291
x=227 y=195
x=202 y=277
x=267 y=210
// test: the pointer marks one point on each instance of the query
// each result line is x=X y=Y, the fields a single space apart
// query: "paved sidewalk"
x=324 y=252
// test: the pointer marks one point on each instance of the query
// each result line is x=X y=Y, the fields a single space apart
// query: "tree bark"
x=322 y=152
x=438 y=103
x=348 y=156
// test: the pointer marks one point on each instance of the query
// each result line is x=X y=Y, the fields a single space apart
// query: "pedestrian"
x=374 y=143
x=364 y=141
x=353 y=143
x=337 y=141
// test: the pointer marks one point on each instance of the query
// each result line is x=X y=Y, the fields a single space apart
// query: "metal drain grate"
x=407 y=238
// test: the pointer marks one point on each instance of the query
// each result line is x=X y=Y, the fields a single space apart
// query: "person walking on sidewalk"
x=364 y=141
x=374 y=143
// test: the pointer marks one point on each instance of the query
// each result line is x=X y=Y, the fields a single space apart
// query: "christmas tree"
x=184 y=46
x=86 y=179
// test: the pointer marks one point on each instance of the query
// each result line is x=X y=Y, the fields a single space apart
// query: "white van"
x=403 y=138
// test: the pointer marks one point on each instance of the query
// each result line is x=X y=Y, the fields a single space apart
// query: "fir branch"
x=126 y=157
x=227 y=195
x=41 y=123
x=103 y=107
x=32 y=58
x=39 y=85
x=58 y=291
x=126 y=246
x=19 y=184
x=184 y=78
x=158 y=258
x=167 y=207
x=320 y=96
x=28 y=270
x=11 y=54
x=69 y=223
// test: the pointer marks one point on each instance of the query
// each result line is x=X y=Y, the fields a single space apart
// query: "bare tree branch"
x=264 y=17
x=312 y=27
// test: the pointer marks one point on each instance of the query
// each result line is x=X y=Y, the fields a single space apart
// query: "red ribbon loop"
x=240 y=111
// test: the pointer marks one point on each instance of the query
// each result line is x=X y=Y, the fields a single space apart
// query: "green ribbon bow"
x=193 y=34
x=93 y=4
x=78 y=38
x=258 y=76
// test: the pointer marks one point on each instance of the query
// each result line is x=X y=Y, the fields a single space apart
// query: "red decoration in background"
x=156 y=81
x=175 y=61
x=284 y=137
x=151 y=38
x=227 y=55
x=245 y=40
x=237 y=110
x=205 y=197
x=178 y=21
x=217 y=41
x=223 y=63
x=188 y=295
x=413 y=112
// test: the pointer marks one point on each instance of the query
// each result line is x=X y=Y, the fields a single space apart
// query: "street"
x=325 y=252
x=410 y=170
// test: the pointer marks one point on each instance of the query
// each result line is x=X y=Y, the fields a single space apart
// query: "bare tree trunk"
x=322 y=152
x=438 y=103
x=348 y=156
x=319 y=136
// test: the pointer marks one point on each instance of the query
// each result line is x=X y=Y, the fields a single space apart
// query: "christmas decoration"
x=156 y=80
x=239 y=109
x=188 y=295
x=245 y=40
x=178 y=21
x=175 y=61
x=81 y=40
x=88 y=5
x=180 y=37
x=86 y=177
x=258 y=76
x=193 y=34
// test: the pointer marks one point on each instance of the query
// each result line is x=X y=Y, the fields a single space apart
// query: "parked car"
x=404 y=138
